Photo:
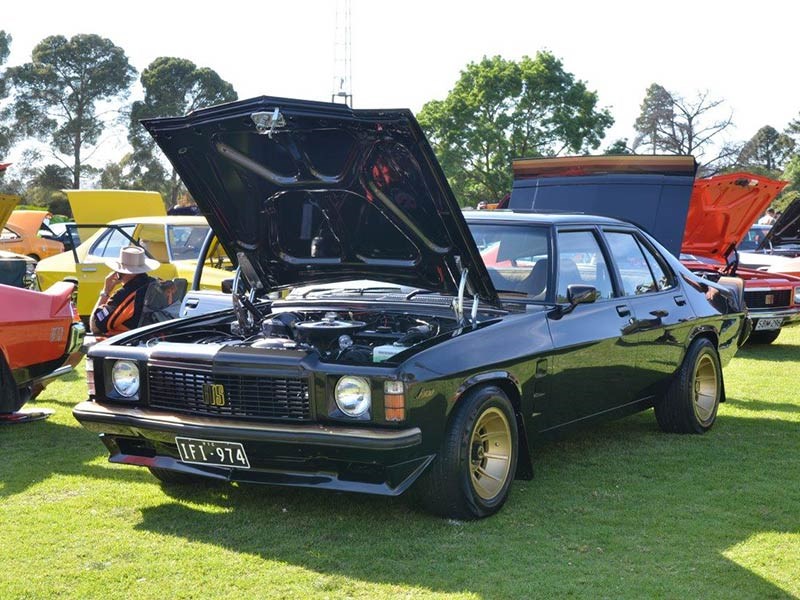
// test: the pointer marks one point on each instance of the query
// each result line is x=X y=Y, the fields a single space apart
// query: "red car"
x=40 y=339
x=702 y=220
x=721 y=211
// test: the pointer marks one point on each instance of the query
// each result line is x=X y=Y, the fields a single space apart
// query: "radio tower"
x=342 y=71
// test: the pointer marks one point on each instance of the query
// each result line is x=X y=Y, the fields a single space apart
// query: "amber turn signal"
x=394 y=401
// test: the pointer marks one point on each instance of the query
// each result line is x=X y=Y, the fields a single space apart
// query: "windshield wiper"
x=359 y=291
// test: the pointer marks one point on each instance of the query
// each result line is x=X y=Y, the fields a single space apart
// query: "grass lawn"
x=616 y=511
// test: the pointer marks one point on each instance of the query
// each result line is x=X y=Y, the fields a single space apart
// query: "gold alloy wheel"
x=490 y=453
x=705 y=392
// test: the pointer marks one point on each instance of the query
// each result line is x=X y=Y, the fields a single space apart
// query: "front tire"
x=690 y=404
x=764 y=337
x=471 y=476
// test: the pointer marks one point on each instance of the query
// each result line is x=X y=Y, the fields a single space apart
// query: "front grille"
x=245 y=396
x=768 y=299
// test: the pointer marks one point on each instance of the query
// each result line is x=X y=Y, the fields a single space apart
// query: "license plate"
x=210 y=452
x=763 y=324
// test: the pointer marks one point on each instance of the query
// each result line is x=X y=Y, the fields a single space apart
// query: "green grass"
x=616 y=511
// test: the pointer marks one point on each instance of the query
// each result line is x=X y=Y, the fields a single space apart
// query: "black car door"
x=593 y=358
x=661 y=317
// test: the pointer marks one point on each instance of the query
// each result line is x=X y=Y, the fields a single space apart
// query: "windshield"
x=516 y=256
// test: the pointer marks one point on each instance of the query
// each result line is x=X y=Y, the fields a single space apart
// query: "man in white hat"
x=122 y=311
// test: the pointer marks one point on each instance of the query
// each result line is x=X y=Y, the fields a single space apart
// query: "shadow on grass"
x=617 y=510
x=32 y=452
x=760 y=405
x=775 y=352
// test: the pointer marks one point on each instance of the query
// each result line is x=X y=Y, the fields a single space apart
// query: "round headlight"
x=125 y=377
x=353 y=396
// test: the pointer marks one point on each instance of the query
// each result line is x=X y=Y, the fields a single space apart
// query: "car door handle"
x=680 y=300
x=623 y=311
x=89 y=269
x=659 y=313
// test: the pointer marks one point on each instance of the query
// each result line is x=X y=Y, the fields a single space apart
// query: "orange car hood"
x=28 y=221
x=722 y=209
x=7 y=204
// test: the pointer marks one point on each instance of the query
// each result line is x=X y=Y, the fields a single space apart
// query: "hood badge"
x=266 y=122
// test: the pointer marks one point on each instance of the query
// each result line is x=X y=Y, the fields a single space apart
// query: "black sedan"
x=487 y=334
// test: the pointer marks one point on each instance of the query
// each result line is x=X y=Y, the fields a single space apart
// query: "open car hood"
x=7 y=204
x=651 y=191
x=722 y=209
x=29 y=221
x=102 y=206
x=786 y=230
x=307 y=191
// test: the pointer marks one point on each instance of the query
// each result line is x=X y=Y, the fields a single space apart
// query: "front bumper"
x=790 y=316
x=377 y=461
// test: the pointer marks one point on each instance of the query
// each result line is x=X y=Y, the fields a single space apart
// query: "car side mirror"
x=227 y=286
x=578 y=293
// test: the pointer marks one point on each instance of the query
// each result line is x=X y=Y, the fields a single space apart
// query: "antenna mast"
x=343 y=73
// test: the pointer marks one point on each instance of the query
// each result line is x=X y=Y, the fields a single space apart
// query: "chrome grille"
x=246 y=396
x=768 y=298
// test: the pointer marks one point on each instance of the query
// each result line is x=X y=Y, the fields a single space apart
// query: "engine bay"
x=355 y=337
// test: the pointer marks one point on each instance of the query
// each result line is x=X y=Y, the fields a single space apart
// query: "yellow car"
x=174 y=241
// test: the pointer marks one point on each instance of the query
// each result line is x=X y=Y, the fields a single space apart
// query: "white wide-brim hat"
x=133 y=260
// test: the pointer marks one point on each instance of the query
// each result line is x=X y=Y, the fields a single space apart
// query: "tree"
x=619 y=146
x=672 y=124
x=172 y=86
x=499 y=110
x=768 y=149
x=56 y=95
x=45 y=185
x=656 y=113
x=7 y=136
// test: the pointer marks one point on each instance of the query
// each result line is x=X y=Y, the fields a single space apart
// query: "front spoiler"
x=370 y=460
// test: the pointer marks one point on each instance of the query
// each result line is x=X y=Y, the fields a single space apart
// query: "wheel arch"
x=512 y=388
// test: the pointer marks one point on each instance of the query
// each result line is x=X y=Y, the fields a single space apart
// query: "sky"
x=407 y=52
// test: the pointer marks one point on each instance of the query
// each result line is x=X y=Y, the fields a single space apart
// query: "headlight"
x=797 y=295
x=353 y=396
x=125 y=377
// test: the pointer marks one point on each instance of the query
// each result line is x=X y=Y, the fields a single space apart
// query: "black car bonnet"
x=313 y=192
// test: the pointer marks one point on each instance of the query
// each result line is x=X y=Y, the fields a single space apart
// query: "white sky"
x=407 y=52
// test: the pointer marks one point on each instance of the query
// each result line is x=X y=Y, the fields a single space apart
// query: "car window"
x=580 y=261
x=185 y=241
x=7 y=235
x=753 y=238
x=216 y=259
x=659 y=270
x=111 y=242
x=632 y=264
x=517 y=257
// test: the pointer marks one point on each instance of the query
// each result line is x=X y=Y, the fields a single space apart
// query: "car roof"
x=169 y=220
x=540 y=217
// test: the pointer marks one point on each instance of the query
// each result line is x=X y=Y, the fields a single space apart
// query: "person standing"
x=121 y=311
x=768 y=218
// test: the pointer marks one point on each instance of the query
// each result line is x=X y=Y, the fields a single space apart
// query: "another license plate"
x=768 y=324
x=210 y=452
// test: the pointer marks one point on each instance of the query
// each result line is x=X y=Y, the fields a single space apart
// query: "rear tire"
x=690 y=404
x=471 y=476
x=11 y=397
x=764 y=337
